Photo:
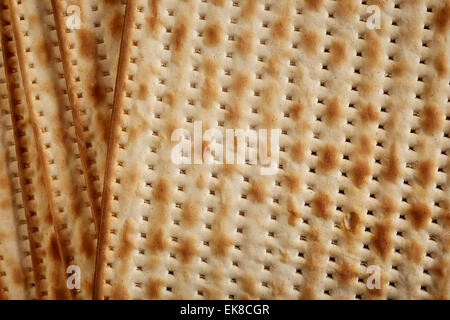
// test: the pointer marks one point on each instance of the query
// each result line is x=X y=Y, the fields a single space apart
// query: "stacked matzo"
x=360 y=189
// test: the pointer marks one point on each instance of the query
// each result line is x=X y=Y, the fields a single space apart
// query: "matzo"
x=49 y=273
x=51 y=118
x=90 y=53
x=362 y=181
x=16 y=272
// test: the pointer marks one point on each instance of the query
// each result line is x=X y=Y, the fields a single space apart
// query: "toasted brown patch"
x=333 y=111
x=120 y=292
x=432 y=119
x=44 y=53
x=347 y=272
x=314 y=4
x=328 y=158
x=221 y=243
x=219 y=3
x=293 y=210
x=415 y=251
x=425 y=172
x=273 y=66
x=210 y=93
x=249 y=9
x=296 y=110
x=369 y=113
x=115 y=24
x=338 y=52
x=143 y=91
x=127 y=243
x=234 y=114
x=392 y=165
x=374 y=50
x=88 y=44
x=179 y=35
x=213 y=35
x=381 y=239
x=240 y=83
x=442 y=18
x=360 y=172
x=441 y=64
x=297 y=151
x=280 y=29
x=292 y=181
x=154 y=288
x=18 y=276
x=258 y=191
x=210 y=67
x=154 y=18
x=248 y=284
x=190 y=213
x=157 y=241
x=321 y=205
x=244 y=43
x=365 y=145
x=162 y=191
x=400 y=68
x=187 y=249
x=419 y=213
x=310 y=41
x=346 y=9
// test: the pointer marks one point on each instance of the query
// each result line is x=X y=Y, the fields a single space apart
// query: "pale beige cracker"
x=362 y=188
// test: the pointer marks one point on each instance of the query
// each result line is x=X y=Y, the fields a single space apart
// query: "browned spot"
x=333 y=111
x=140 y=125
x=248 y=284
x=127 y=244
x=213 y=35
x=431 y=119
x=415 y=251
x=120 y=292
x=441 y=278
x=352 y=221
x=294 y=212
x=400 y=68
x=338 y=52
x=369 y=113
x=328 y=158
x=44 y=53
x=143 y=91
x=179 y=35
x=321 y=205
x=154 y=288
x=346 y=9
x=87 y=243
x=314 y=4
x=210 y=93
x=249 y=9
x=310 y=40
x=365 y=145
x=278 y=289
x=258 y=190
x=244 y=43
x=297 y=151
x=292 y=181
x=420 y=214
x=240 y=83
x=425 y=172
x=391 y=170
x=441 y=64
x=18 y=276
x=234 y=114
x=220 y=243
x=388 y=206
x=88 y=44
x=157 y=241
x=308 y=293
x=219 y=3
x=382 y=240
x=115 y=24
x=280 y=29
x=442 y=18
x=161 y=191
x=187 y=249
x=347 y=272
x=190 y=213
x=296 y=110
x=6 y=203
x=210 y=67
x=96 y=93
x=273 y=66
x=53 y=248
x=374 y=50
x=360 y=172
x=154 y=19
